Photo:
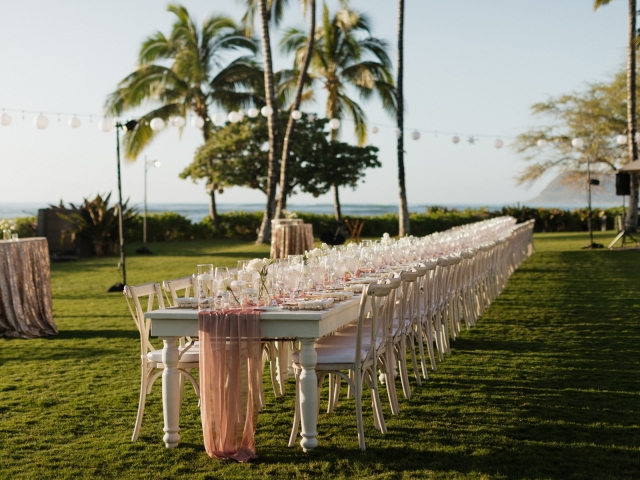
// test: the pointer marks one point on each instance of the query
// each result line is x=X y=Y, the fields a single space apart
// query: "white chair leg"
x=359 y=422
x=412 y=351
x=143 y=398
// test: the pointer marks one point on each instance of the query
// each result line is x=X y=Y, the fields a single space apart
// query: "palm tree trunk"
x=294 y=106
x=336 y=204
x=631 y=222
x=264 y=235
x=403 y=209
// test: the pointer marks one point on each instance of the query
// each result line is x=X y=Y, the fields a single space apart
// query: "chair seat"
x=191 y=356
x=332 y=341
x=331 y=356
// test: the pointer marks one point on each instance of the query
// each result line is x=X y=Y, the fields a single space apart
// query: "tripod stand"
x=623 y=235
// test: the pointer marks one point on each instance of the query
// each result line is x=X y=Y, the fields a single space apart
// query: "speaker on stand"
x=623 y=188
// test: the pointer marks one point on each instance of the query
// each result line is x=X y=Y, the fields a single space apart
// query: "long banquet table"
x=305 y=326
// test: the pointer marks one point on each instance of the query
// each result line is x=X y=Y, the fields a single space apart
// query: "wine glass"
x=291 y=280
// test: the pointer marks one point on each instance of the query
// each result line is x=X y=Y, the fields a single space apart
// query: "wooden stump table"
x=290 y=237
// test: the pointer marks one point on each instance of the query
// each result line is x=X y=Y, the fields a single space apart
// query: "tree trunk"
x=264 y=235
x=282 y=200
x=631 y=222
x=213 y=210
x=403 y=209
x=336 y=204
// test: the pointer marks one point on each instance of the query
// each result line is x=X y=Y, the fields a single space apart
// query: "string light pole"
x=105 y=126
x=578 y=144
x=147 y=165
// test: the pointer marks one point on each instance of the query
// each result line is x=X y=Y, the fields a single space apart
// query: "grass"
x=545 y=386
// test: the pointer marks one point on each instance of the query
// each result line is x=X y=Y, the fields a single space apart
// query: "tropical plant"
x=631 y=222
x=97 y=222
x=597 y=115
x=187 y=71
x=343 y=58
x=403 y=208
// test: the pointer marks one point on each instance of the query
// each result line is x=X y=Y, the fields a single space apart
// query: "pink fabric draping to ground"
x=230 y=382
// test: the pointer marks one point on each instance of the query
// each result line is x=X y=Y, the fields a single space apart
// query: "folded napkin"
x=187 y=302
x=336 y=295
x=319 y=304
x=230 y=382
x=355 y=287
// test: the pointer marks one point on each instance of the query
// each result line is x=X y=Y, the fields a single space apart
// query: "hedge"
x=170 y=226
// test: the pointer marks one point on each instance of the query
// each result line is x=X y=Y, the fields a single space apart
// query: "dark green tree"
x=235 y=155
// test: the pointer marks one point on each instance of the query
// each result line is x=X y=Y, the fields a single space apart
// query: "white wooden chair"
x=173 y=288
x=151 y=359
x=359 y=357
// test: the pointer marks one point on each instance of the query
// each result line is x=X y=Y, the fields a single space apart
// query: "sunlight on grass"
x=545 y=386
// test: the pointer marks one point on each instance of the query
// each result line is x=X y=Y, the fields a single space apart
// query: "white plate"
x=269 y=308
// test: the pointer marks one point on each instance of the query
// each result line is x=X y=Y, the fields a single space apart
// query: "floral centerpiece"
x=261 y=266
x=225 y=284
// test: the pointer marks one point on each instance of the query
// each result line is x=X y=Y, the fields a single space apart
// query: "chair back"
x=374 y=294
x=136 y=295
x=173 y=287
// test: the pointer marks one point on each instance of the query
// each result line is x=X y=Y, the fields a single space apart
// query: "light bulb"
x=157 y=124
x=266 y=111
x=296 y=114
x=197 y=122
x=334 y=124
x=106 y=124
x=41 y=121
x=498 y=143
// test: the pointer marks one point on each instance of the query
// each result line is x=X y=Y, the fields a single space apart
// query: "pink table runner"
x=230 y=382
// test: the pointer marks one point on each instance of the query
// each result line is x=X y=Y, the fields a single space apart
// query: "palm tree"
x=195 y=79
x=631 y=222
x=341 y=59
x=267 y=10
x=403 y=209
x=310 y=6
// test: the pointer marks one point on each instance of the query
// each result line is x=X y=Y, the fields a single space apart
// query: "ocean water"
x=197 y=211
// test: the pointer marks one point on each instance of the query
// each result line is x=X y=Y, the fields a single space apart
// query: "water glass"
x=204 y=286
x=14 y=237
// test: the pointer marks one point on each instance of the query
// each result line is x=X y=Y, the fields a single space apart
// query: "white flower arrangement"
x=261 y=267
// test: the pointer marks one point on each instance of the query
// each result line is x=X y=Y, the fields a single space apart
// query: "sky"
x=471 y=68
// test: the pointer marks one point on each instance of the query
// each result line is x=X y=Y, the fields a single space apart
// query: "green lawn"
x=547 y=385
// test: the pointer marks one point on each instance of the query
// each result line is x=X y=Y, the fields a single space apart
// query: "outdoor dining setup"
x=361 y=315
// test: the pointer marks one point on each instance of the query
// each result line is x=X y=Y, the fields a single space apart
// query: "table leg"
x=308 y=394
x=171 y=392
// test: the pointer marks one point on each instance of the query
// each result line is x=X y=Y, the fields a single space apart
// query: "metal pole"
x=144 y=224
x=120 y=229
x=589 y=182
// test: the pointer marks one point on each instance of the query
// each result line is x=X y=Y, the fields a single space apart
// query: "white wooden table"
x=306 y=326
